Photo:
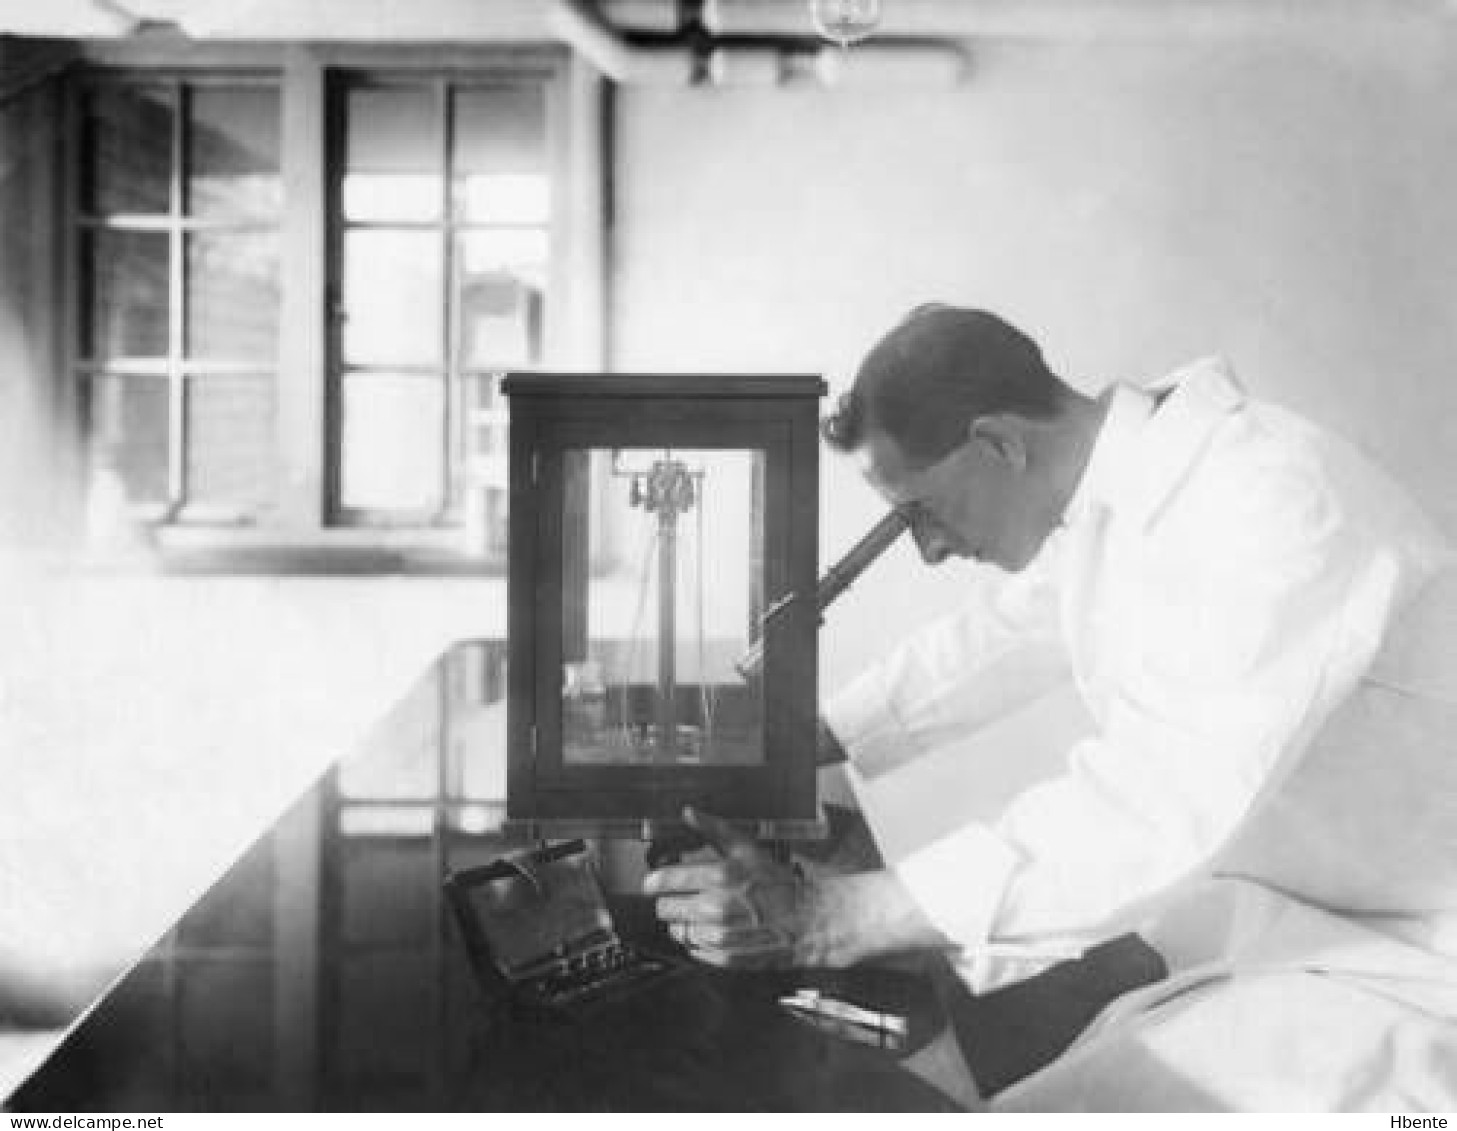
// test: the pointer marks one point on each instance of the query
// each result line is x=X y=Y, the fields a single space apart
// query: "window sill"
x=324 y=553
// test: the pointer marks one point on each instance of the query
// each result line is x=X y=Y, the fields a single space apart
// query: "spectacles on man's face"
x=922 y=498
x=935 y=541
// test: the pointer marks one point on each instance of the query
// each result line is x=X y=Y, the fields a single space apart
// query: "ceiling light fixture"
x=845 y=21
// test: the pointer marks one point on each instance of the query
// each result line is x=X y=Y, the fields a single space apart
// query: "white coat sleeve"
x=998 y=651
x=1277 y=610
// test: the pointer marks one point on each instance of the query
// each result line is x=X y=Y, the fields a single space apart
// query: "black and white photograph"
x=652 y=556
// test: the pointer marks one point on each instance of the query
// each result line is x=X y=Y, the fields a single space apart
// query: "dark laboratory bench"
x=324 y=971
x=359 y=997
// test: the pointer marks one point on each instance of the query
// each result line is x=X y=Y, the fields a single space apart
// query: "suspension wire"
x=630 y=659
x=705 y=696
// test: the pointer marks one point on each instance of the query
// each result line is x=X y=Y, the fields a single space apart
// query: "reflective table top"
x=324 y=971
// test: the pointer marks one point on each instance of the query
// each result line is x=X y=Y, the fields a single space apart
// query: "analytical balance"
x=663 y=555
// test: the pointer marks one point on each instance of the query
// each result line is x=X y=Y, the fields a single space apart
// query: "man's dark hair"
x=936 y=372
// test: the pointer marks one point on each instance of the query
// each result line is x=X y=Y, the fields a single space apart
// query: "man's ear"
x=1001 y=437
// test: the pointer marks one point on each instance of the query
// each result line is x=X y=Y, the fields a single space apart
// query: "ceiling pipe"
x=581 y=25
x=1094 y=19
x=694 y=55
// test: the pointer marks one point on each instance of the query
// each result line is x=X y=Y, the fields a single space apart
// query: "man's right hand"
x=744 y=908
x=747 y=909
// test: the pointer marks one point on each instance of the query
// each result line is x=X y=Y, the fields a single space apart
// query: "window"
x=299 y=274
x=178 y=238
x=441 y=259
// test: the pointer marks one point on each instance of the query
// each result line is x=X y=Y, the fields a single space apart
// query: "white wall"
x=35 y=507
x=1288 y=203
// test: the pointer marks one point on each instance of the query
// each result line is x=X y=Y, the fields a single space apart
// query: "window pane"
x=520 y=251
x=391 y=196
x=500 y=155
x=500 y=319
x=484 y=483
x=393 y=298
x=387 y=820
x=484 y=418
x=232 y=152
x=483 y=507
x=126 y=312
x=394 y=455
x=479 y=820
x=130 y=434
x=504 y=198
x=393 y=155
x=500 y=129
x=128 y=150
x=650 y=644
x=229 y=439
x=478 y=727
x=232 y=296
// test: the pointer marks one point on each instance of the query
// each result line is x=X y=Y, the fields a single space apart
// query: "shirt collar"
x=1151 y=437
x=1112 y=458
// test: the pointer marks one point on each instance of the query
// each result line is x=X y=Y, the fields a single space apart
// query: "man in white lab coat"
x=1260 y=626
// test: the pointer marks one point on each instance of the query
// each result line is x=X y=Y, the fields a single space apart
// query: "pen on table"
x=889 y=1029
x=850 y=1022
x=850 y=1031
x=813 y=1001
x=1044 y=950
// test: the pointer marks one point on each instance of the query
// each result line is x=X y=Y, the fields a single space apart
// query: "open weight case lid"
x=538 y=931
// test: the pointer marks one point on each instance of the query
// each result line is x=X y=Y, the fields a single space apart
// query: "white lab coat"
x=1271 y=782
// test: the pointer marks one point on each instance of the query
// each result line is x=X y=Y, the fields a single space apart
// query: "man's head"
x=958 y=423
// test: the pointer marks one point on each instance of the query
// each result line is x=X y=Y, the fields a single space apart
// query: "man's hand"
x=743 y=909
x=746 y=909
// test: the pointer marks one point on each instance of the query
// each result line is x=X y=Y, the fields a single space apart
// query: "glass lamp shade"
x=845 y=21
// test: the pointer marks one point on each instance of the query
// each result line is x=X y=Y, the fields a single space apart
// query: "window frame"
x=302 y=533
x=177 y=366
x=443 y=85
